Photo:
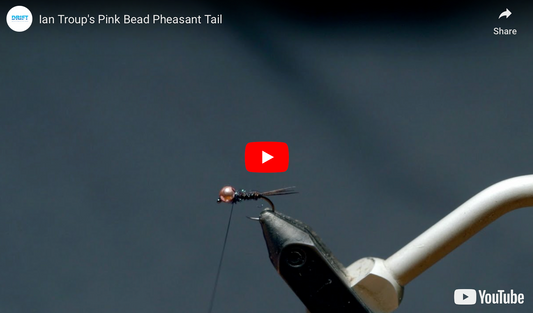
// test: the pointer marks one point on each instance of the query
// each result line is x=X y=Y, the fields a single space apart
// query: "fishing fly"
x=228 y=194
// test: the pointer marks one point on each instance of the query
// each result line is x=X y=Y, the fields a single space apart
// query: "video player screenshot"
x=364 y=157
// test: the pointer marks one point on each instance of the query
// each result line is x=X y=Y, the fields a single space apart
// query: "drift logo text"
x=19 y=18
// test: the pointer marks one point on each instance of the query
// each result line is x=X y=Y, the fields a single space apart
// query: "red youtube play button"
x=266 y=157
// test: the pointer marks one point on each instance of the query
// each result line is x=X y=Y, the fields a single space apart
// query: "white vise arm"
x=379 y=283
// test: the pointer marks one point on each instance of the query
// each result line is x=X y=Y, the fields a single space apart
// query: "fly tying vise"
x=229 y=194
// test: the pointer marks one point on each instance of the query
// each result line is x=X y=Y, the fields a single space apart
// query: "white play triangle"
x=265 y=157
